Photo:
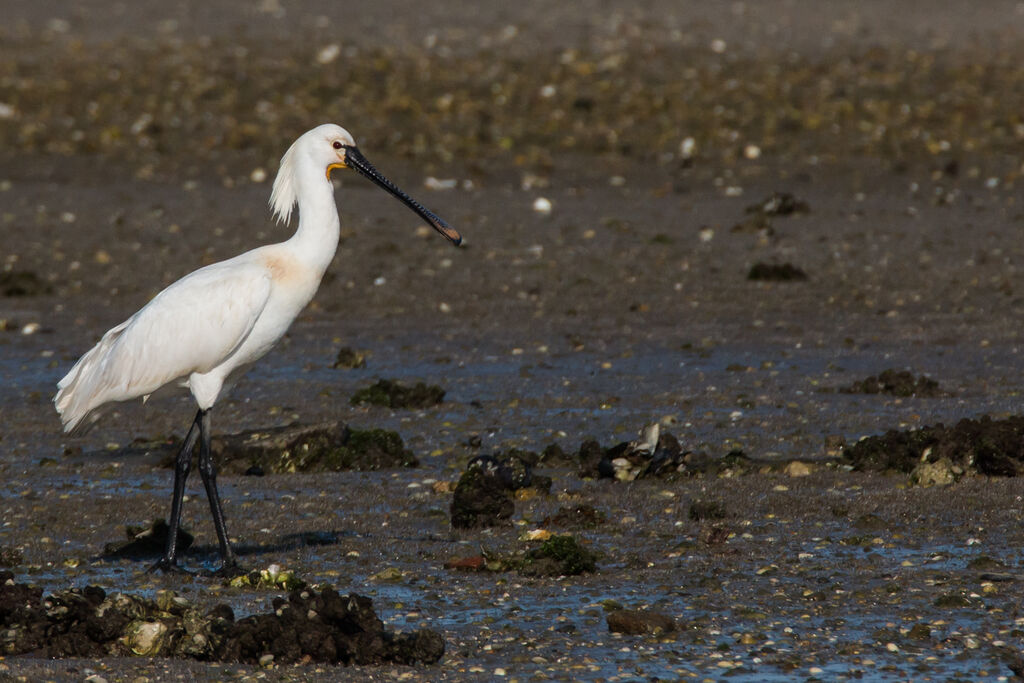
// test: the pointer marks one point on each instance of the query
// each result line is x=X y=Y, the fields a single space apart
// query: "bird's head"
x=329 y=147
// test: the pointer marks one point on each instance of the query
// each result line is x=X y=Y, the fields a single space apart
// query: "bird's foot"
x=167 y=566
x=229 y=570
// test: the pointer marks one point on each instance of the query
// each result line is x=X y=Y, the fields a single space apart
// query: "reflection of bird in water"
x=210 y=326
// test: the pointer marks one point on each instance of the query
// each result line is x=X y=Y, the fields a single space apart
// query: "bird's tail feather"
x=84 y=389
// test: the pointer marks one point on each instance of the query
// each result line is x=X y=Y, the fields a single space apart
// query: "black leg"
x=208 y=471
x=169 y=562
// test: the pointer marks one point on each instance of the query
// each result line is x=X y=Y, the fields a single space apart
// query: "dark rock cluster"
x=306 y=627
x=484 y=494
x=940 y=454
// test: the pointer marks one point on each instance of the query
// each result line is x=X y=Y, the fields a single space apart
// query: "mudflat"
x=721 y=218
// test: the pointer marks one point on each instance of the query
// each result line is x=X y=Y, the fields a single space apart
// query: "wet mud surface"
x=617 y=174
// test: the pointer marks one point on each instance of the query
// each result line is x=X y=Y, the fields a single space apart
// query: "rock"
x=388 y=575
x=307 y=626
x=896 y=383
x=590 y=456
x=986 y=564
x=327 y=627
x=146 y=638
x=350 y=359
x=475 y=563
x=713 y=534
x=10 y=557
x=485 y=492
x=779 y=204
x=796 y=468
x=939 y=473
x=984 y=446
x=274 y=577
x=952 y=600
x=328 y=446
x=392 y=394
x=639 y=622
x=558 y=556
x=483 y=496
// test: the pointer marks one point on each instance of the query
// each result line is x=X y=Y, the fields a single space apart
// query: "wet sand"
x=629 y=303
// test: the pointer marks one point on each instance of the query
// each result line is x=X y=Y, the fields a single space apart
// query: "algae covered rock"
x=558 y=556
x=391 y=394
x=896 y=383
x=330 y=446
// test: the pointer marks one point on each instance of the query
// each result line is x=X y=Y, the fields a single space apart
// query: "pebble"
x=437 y=184
x=328 y=53
x=797 y=469
x=687 y=148
x=542 y=205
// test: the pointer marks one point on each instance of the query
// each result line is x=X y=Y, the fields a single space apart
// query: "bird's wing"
x=192 y=326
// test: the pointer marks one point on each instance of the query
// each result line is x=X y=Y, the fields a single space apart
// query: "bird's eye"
x=337 y=145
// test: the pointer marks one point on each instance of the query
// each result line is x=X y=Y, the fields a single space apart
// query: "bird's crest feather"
x=283 y=197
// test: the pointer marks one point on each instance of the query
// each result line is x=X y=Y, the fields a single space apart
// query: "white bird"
x=208 y=327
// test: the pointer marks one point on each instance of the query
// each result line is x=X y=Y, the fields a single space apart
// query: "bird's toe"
x=229 y=570
x=167 y=566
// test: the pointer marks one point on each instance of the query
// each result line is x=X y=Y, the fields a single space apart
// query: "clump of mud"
x=779 y=204
x=349 y=359
x=307 y=627
x=760 y=215
x=23 y=283
x=776 y=272
x=580 y=516
x=556 y=556
x=10 y=557
x=483 y=496
x=940 y=455
x=391 y=394
x=656 y=453
x=896 y=383
x=330 y=446
x=143 y=542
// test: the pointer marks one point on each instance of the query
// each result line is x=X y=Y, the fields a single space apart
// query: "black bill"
x=355 y=159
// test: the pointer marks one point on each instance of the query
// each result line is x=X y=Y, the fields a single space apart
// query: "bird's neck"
x=316 y=238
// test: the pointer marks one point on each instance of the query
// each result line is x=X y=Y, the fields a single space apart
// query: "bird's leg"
x=208 y=471
x=182 y=465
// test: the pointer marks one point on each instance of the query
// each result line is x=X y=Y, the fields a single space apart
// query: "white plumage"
x=212 y=324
